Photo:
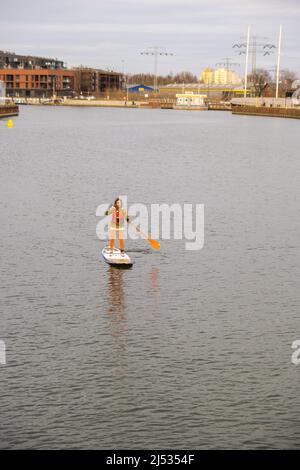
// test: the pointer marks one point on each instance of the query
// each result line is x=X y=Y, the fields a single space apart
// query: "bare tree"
x=185 y=77
x=83 y=79
x=259 y=80
x=287 y=77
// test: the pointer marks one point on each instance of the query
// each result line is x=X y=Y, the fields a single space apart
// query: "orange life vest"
x=118 y=217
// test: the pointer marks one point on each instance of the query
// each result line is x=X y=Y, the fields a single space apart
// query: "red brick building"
x=42 y=83
x=40 y=77
x=39 y=83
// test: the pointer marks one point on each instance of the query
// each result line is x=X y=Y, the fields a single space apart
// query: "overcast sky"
x=112 y=33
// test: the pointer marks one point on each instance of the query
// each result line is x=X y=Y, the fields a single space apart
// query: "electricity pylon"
x=255 y=47
x=156 y=51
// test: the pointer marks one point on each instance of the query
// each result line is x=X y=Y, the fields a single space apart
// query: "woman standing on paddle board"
x=119 y=215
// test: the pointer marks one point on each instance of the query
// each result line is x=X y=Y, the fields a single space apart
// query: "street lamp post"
x=53 y=88
x=127 y=89
x=125 y=79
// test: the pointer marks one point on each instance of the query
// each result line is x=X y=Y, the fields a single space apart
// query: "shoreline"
x=10 y=110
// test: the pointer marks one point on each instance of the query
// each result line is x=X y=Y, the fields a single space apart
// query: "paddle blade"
x=154 y=243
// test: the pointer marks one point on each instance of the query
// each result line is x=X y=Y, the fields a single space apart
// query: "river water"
x=188 y=349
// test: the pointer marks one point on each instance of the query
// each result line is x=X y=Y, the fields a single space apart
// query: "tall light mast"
x=156 y=51
x=278 y=60
x=246 y=62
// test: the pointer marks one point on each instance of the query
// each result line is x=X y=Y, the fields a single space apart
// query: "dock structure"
x=8 y=110
x=219 y=106
x=260 y=106
x=267 y=111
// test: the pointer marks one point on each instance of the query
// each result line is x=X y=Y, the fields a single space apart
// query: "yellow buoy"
x=10 y=124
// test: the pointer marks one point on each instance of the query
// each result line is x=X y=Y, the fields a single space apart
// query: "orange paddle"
x=153 y=243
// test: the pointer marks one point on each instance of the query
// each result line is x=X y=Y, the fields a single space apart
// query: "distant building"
x=190 y=100
x=268 y=91
x=226 y=77
x=212 y=91
x=140 y=89
x=37 y=83
x=10 y=60
x=208 y=76
x=93 y=81
x=220 y=76
x=2 y=92
x=40 y=77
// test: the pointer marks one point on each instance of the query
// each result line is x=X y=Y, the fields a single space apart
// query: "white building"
x=2 y=91
x=220 y=76
x=223 y=77
x=190 y=100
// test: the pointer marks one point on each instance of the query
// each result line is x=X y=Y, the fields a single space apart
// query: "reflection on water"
x=154 y=278
x=116 y=307
x=116 y=300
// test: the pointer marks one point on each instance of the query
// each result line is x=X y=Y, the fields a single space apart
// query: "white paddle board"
x=116 y=258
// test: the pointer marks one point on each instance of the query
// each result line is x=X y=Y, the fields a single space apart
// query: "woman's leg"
x=112 y=239
x=121 y=238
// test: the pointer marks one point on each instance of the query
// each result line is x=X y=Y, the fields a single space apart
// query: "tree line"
x=148 y=78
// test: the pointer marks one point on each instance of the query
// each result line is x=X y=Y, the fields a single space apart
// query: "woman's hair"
x=118 y=199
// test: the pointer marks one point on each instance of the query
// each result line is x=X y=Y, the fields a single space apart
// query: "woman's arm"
x=109 y=211
x=126 y=216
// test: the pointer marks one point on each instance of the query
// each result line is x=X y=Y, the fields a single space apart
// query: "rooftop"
x=199 y=86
